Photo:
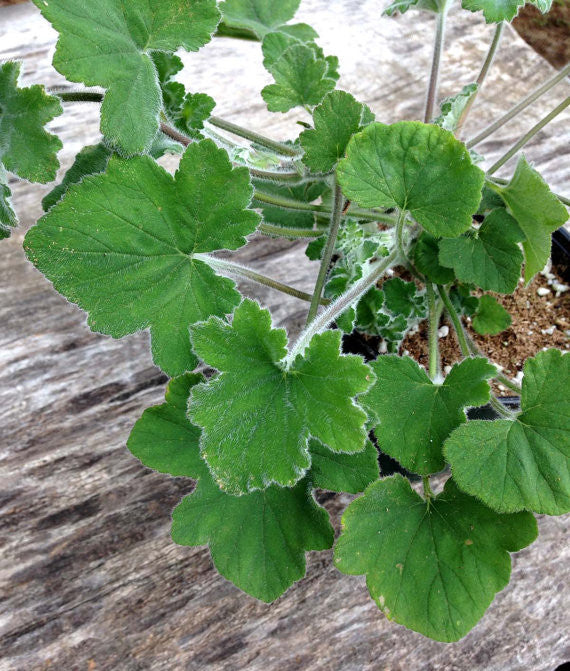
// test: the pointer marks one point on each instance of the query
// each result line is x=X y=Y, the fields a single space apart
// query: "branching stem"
x=528 y=136
x=336 y=214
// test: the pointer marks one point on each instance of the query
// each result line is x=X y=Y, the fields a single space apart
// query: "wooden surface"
x=89 y=577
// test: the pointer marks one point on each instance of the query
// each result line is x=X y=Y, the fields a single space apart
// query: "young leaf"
x=301 y=78
x=111 y=48
x=537 y=211
x=496 y=11
x=490 y=257
x=257 y=541
x=121 y=245
x=336 y=120
x=8 y=217
x=402 y=298
x=26 y=148
x=426 y=258
x=434 y=566
x=340 y=472
x=416 y=167
x=412 y=416
x=259 y=16
x=491 y=317
x=452 y=108
x=521 y=464
x=164 y=439
x=257 y=416
x=188 y=111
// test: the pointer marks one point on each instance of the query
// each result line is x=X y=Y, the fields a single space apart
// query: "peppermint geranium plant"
x=136 y=248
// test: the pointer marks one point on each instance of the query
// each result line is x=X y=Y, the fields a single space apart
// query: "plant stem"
x=78 y=96
x=336 y=214
x=457 y=325
x=519 y=107
x=174 y=134
x=428 y=493
x=435 y=64
x=337 y=307
x=531 y=133
x=503 y=379
x=300 y=206
x=275 y=175
x=252 y=136
x=237 y=270
x=433 y=343
x=284 y=232
x=482 y=74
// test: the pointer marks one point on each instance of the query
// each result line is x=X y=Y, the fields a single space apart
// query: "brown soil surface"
x=549 y=34
x=532 y=314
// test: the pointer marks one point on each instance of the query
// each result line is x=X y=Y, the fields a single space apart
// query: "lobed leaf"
x=340 y=472
x=433 y=566
x=521 y=464
x=496 y=11
x=26 y=148
x=426 y=258
x=8 y=217
x=491 y=317
x=259 y=16
x=122 y=246
x=112 y=48
x=257 y=416
x=412 y=416
x=452 y=108
x=415 y=167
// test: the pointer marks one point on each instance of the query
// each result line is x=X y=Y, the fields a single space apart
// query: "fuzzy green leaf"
x=257 y=541
x=402 y=298
x=112 y=47
x=164 y=439
x=402 y=6
x=490 y=257
x=121 y=245
x=259 y=16
x=301 y=78
x=491 y=317
x=521 y=464
x=336 y=120
x=433 y=568
x=496 y=11
x=413 y=416
x=538 y=213
x=8 y=217
x=416 y=167
x=256 y=416
x=426 y=258
x=340 y=472
x=26 y=148
x=452 y=108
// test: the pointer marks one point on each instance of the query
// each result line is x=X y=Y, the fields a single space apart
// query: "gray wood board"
x=90 y=578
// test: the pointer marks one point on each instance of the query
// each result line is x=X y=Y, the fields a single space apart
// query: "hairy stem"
x=78 y=96
x=528 y=136
x=503 y=379
x=519 y=107
x=337 y=307
x=237 y=270
x=482 y=74
x=433 y=342
x=276 y=175
x=336 y=214
x=428 y=493
x=284 y=232
x=435 y=65
x=252 y=136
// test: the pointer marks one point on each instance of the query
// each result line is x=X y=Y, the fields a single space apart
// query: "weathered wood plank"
x=90 y=579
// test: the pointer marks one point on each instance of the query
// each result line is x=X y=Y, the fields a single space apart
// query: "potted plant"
x=136 y=248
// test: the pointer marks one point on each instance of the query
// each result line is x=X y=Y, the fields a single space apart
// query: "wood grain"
x=90 y=578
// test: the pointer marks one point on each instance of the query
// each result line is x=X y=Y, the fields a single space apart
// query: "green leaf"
x=336 y=120
x=257 y=416
x=521 y=464
x=26 y=148
x=452 y=108
x=164 y=439
x=433 y=567
x=122 y=246
x=426 y=258
x=257 y=541
x=8 y=217
x=537 y=211
x=490 y=257
x=306 y=192
x=188 y=113
x=416 y=167
x=112 y=47
x=340 y=472
x=413 y=416
x=302 y=79
x=260 y=16
x=402 y=6
x=496 y=11
x=90 y=160
x=491 y=317
x=402 y=298
x=167 y=65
